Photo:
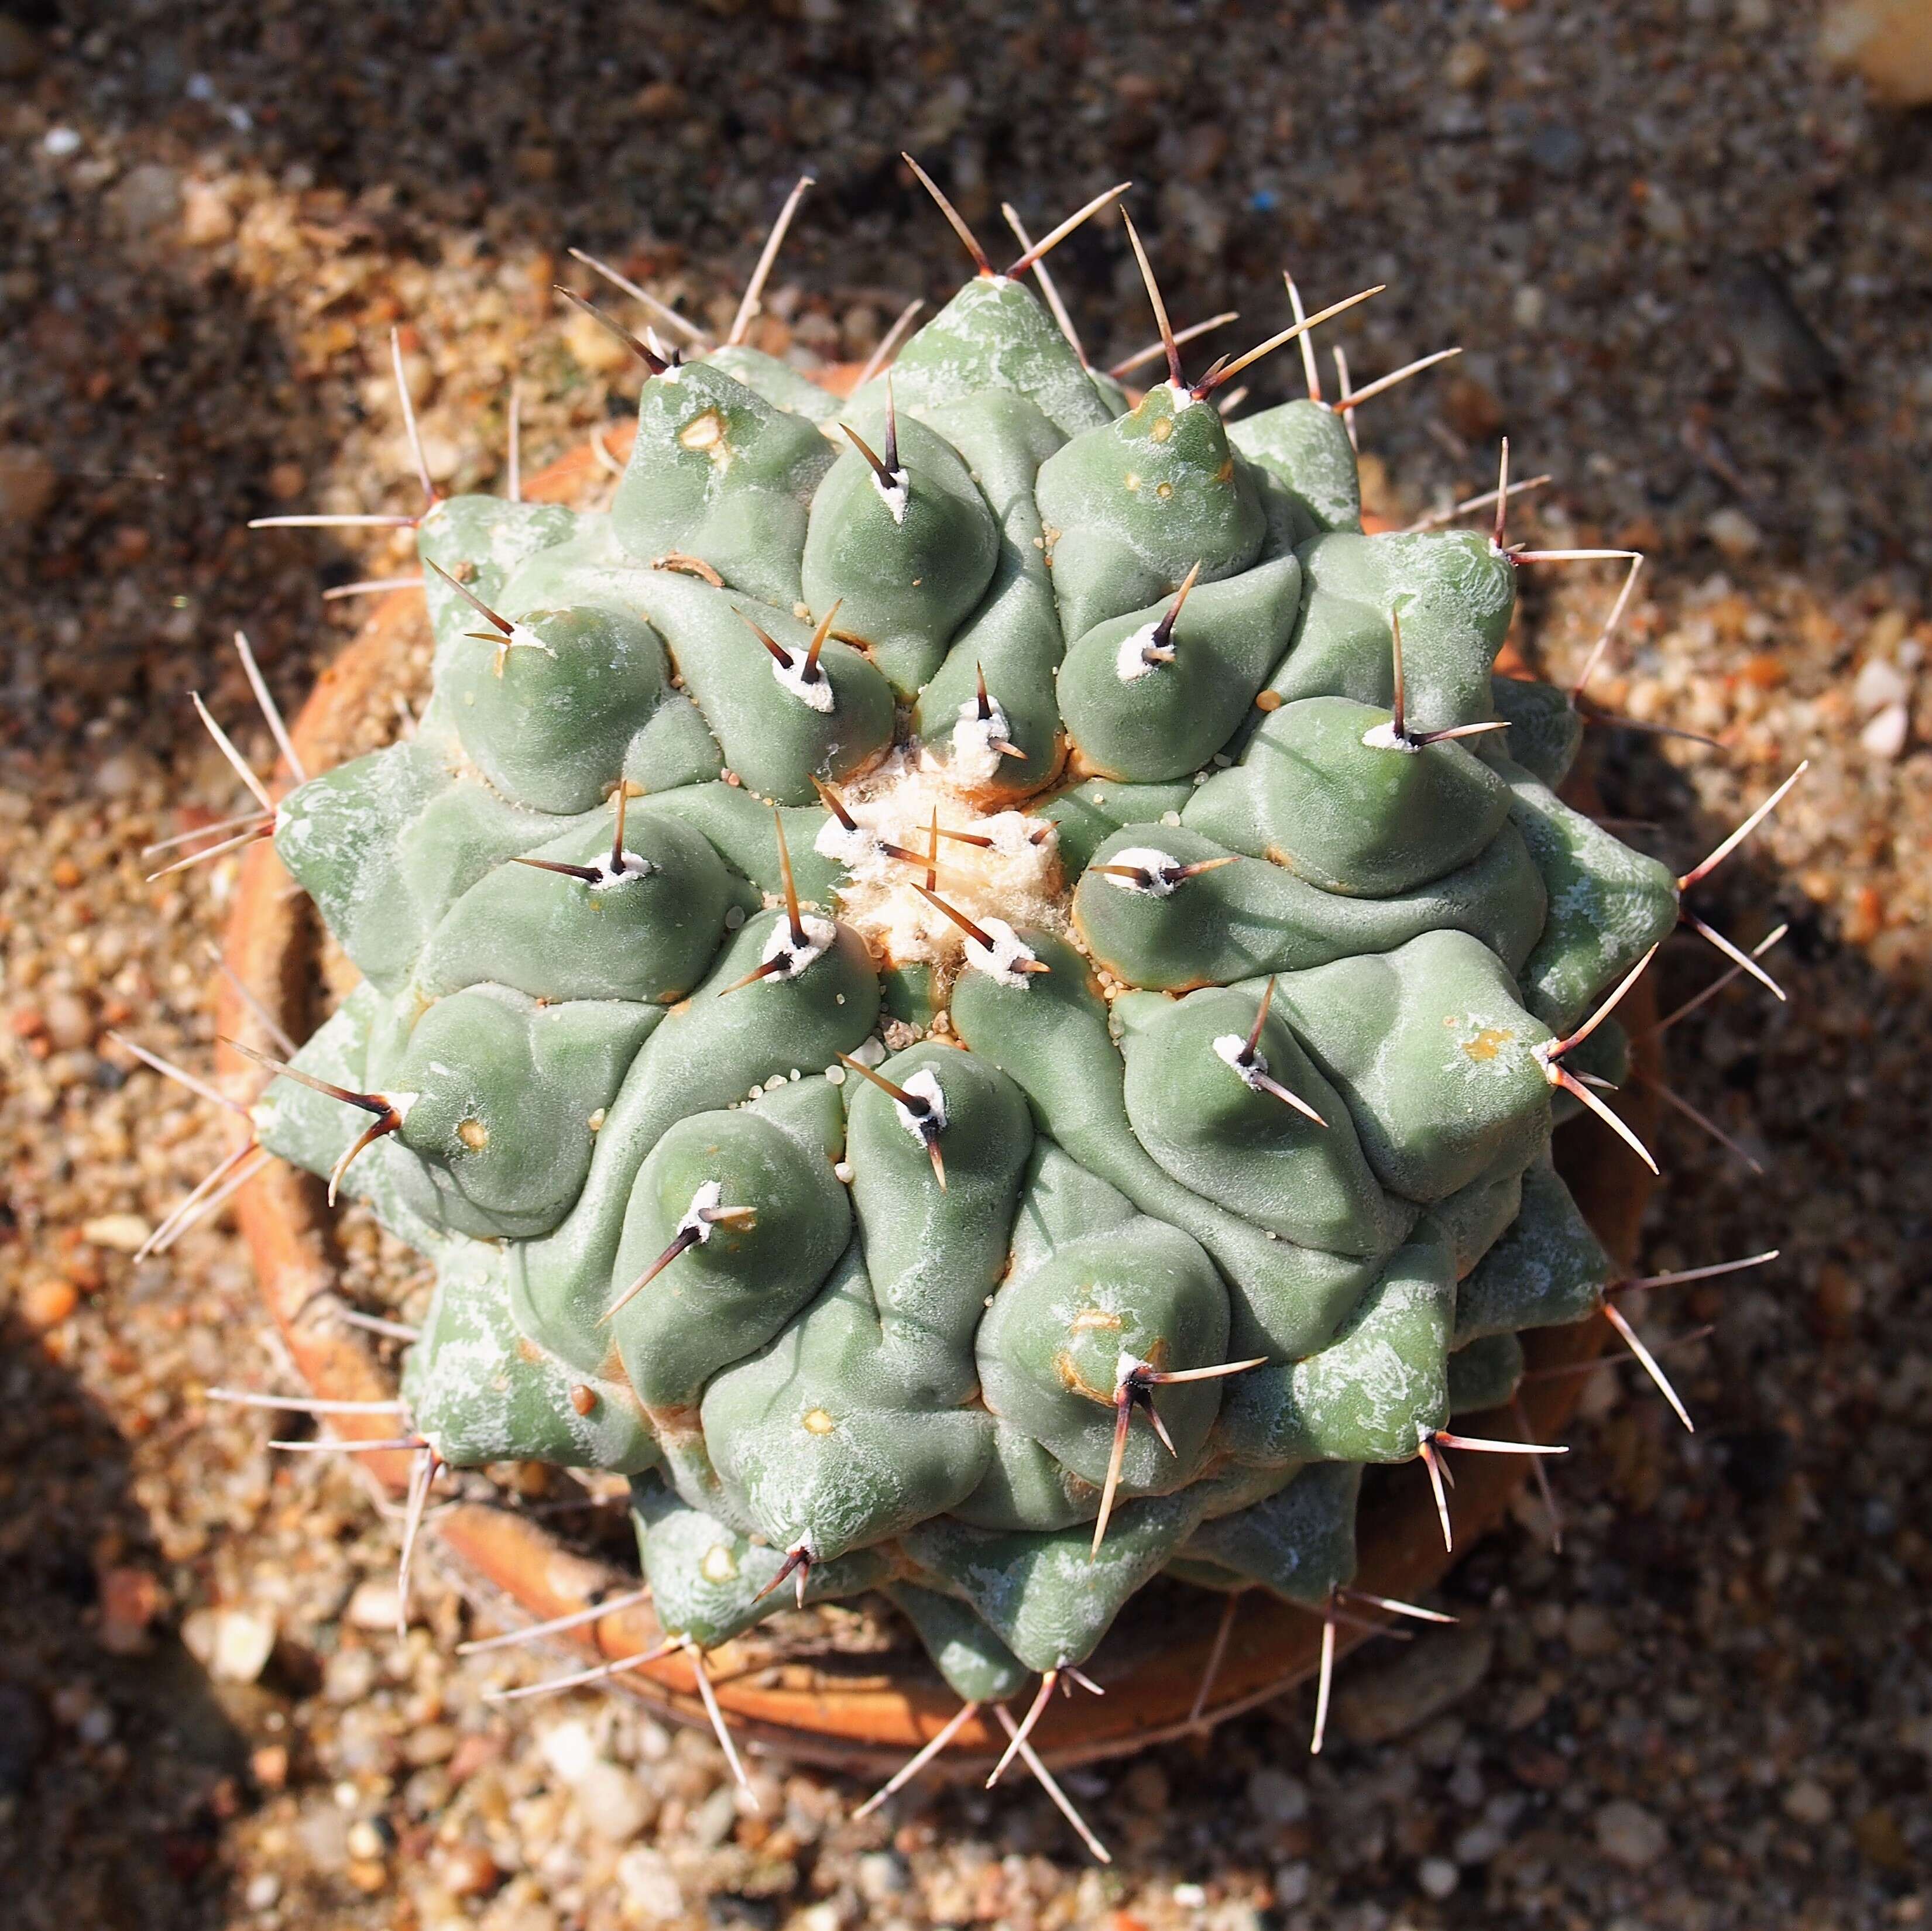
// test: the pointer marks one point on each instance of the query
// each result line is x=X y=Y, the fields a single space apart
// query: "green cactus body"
x=1221 y=1037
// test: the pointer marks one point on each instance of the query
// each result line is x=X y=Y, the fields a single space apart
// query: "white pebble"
x=1878 y=684
x=1629 y=1835
x=569 y=1748
x=1437 y=1876
x=373 y=1605
x=1734 y=533
x=613 y=1803
x=1884 y=737
x=645 y=1878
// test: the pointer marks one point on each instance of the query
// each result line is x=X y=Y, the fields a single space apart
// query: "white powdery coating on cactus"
x=1157 y=870
x=815 y=693
x=1015 y=878
x=974 y=760
x=1131 y=660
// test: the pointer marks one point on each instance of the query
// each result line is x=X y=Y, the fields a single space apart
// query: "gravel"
x=1685 y=263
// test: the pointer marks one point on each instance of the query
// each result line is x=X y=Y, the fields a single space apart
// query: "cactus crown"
x=971 y=985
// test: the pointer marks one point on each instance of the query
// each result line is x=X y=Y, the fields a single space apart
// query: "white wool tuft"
x=1016 y=880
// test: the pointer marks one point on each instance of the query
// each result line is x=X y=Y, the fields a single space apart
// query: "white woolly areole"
x=851 y=846
x=1013 y=878
x=973 y=757
x=1250 y=1069
x=790 y=958
x=1125 y=1368
x=1012 y=832
x=702 y=1202
x=815 y=692
x=894 y=494
x=1385 y=736
x=1182 y=397
x=630 y=864
x=1157 y=869
x=1131 y=660
x=924 y=1085
x=1001 y=960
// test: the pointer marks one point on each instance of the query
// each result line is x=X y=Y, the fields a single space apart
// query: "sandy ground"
x=1687 y=267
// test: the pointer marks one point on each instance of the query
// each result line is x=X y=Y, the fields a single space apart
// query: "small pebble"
x=1630 y=1835
x=1808 y=1802
x=374 y=1604
x=45 y=1303
x=1437 y=1876
x=125 y=1233
x=468 y=1870
x=882 y=1876
x=1399 y=1695
x=1735 y=535
x=649 y=1885
x=1276 y=1797
x=1884 y=736
x=613 y=1802
x=1878 y=685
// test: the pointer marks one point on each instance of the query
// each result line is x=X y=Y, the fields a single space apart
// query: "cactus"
x=970 y=987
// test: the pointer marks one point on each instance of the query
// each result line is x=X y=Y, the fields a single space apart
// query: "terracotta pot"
x=863 y=1713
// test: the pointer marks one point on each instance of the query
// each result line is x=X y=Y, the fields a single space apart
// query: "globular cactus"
x=971 y=986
